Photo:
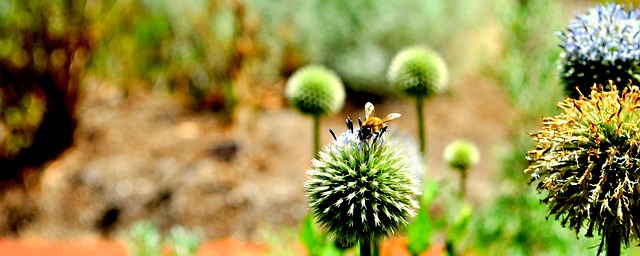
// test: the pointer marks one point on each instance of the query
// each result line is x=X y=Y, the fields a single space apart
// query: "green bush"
x=362 y=36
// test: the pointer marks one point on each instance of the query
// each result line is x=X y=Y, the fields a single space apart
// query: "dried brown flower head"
x=588 y=160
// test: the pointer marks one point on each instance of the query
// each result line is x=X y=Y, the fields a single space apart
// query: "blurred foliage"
x=42 y=50
x=183 y=242
x=184 y=47
x=423 y=226
x=359 y=38
x=279 y=241
x=146 y=239
x=529 y=62
x=528 y=72
x=19 y=122
x=196 y=48
x=315 y=240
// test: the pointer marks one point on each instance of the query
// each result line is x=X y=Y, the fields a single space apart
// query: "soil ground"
x=145 y=157
x=141 y=155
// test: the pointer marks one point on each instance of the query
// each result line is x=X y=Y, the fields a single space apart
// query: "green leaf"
x=460 y=224
x=419 y=232
x=145 y=239
x=184 y=242
x=330 y=249
x=308 y=235
x=429 y=192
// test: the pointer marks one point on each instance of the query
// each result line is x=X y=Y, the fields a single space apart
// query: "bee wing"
x=369 y=109
x=391 y=117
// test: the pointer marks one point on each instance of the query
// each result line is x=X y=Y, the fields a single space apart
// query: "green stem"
x=316 y=135
x=421 y=126
x=376 y=249
x=463 y=183
x=365 y=248
x=449 y=247
x=613 y=244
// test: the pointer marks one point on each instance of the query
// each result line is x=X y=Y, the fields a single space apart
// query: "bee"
x=374 y=125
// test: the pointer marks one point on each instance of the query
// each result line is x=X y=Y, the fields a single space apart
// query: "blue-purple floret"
x=601 y=47
x=606 y=34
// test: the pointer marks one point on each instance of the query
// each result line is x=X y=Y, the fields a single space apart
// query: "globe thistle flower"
x=601 y=45
x=315 y=90
x=461 y=155
x=588 y=160
x=360 y=189
x=418 y=71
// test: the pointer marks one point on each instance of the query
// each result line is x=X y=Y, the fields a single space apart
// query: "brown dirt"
x=144 y=157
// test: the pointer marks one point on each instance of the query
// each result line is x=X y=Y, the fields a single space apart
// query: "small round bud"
x=418 y=71
x=315 y=90
x=461 y=155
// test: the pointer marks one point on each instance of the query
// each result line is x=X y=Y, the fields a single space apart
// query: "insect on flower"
x=373 y=125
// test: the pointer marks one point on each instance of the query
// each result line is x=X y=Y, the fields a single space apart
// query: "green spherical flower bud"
x=461 y=155
x=361 y=190
x=418 y=71
x=315 y=90
x=588 y=160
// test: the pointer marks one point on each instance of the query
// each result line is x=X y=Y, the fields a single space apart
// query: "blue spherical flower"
x=601 y=45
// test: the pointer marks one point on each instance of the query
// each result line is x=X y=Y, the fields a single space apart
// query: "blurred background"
x=117 y=111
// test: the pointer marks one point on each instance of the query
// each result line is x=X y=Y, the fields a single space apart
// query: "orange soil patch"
x=230 y=247
x=222 y=247
x=102 y=247
x=37 y=246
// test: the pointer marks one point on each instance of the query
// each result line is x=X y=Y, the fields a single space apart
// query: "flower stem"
x=421 y=126
x=463 y=183
x=450 y=248
x=365 y=248
x=613 y=244
x=376 y=249
x=316 y=135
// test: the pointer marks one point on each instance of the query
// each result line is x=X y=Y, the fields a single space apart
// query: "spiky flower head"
x=588 y=160
x=361 y=190
x=461 y=155
x=418 y=71
x=601 y=45
x=315 y=90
